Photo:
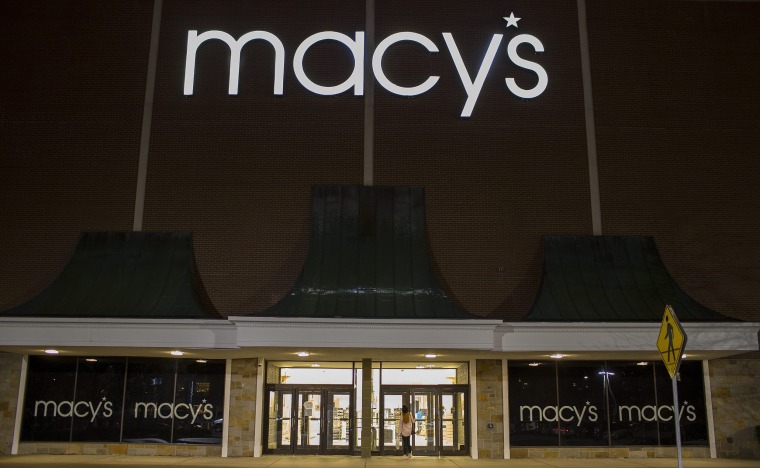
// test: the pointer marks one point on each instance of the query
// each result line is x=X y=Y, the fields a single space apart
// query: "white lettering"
x=377 y=64
x=563 y=409
x=356 y=80
x=176 y=413
x=660 y=417
x=543 y=78
x=165 y=405
x=76 y=408
x=70 y=404
x=472 y=88
x=194 y=41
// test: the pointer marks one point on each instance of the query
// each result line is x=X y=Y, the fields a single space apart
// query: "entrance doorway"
x=307 y=420
x=440 y=419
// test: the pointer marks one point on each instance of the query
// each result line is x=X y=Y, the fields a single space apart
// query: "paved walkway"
x=274 y=461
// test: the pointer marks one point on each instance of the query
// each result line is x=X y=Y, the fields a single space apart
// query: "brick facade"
x=677 y=139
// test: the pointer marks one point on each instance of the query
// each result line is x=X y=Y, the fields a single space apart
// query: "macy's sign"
x=356 y=46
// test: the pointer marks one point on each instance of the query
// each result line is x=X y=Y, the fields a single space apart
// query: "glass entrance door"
x=338 y=418
x=440 y=418
x=309 y=421
x=453 y=427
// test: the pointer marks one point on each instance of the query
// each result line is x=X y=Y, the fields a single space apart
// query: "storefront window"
x=581 y=414
x=570 y=403
x=85 y=399
x=533 y=404
x=199 y=402
x=50 y=399
x=100 y=383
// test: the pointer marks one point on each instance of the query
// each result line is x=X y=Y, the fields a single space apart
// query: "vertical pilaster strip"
x=709 y=409
x=369 y=95
x=473 y=410
x=20 y=403
x=150 y=86
x=505 y=405
x=226 y=410
x=366 y=434
x=588 y=105
x=259 y=416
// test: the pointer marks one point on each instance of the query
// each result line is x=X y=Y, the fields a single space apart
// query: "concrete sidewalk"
x=278 y=461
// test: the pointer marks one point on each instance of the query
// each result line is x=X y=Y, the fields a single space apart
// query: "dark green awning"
x=125 y=275
x=368 y=258
x=609 y=279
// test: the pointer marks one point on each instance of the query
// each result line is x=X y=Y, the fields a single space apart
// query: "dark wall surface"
x=676 y=107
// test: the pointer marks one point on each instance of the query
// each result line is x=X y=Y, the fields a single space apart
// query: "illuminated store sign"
x=356 y=46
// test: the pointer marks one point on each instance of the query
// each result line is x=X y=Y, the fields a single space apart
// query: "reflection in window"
x=49 y=399
x=582 y=413
x=100 y=383
x=532 y=404
x=164 y=401
x=572 y=406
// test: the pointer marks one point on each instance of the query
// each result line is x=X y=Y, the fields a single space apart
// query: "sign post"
x=671 y=343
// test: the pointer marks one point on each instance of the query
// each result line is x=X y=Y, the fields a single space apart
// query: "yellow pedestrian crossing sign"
x=672 y=341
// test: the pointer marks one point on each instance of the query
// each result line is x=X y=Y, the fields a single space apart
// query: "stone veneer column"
x=242 y=426
x=10 y=373
x=490 y=409
x=735 y=388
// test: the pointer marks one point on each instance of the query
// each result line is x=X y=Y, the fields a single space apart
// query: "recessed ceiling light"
x=557 y=356
x=200 y=361
x=315 y=365
x=177 y=353
x=303 y=353
x=642 y=363
x=684 y=356
x=431 y=356
x=91 y=359
x=534 y=364
x=51 y=351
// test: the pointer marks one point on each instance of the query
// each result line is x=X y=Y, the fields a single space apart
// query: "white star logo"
x=204 y=400
x=511 y=20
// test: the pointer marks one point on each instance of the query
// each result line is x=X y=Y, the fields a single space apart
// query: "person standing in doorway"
x=406 y=429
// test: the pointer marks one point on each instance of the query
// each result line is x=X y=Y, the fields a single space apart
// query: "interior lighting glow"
x=557 y=356
x=177 y=353
x=534 y=364
x=91 y=360
x=51 y=351
x=200 y=361
x=315 y=365
x=642 y=363
x=303 y=354
x=431 y=356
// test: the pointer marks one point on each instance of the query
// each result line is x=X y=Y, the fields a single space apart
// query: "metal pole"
x=678 y=421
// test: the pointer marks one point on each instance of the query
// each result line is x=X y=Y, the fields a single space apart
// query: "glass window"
x=636 y=397
x=99 y=396
x=533 y=404
x=149 y=405
x=691 y=402
x=582 y=410
x=199 y=402
x=632 y=403
x=49 y=402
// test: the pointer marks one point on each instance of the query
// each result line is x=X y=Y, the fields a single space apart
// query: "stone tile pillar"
x=242 y=424
x=735 y=389
x=10 y=373
x=490 y=418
